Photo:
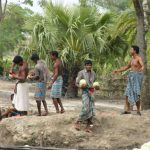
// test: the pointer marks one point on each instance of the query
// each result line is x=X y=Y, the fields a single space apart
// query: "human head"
x=134 y=49
x=35 y=57
x=88 y=65
x=18 y=60
x=54 y=55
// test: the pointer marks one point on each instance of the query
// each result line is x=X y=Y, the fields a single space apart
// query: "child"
x=88 y=109
x=11 y=111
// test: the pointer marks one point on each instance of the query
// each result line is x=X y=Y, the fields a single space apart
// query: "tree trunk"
x=72 y=90
x=142 y=28
x=2 y=10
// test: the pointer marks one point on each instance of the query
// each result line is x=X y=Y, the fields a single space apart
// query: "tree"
x=142 y=28
x=2 y=9
x=78 y=33
x=11 y=28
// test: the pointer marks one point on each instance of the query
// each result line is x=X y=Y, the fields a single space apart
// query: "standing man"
x=21 y=92
x=41 y=76
x=56 y=82
x=88 y=107
x=135 y=78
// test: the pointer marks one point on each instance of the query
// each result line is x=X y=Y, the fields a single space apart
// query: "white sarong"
x=21 y=98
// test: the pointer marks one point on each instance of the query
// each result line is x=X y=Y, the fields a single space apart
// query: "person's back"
x=42 y=69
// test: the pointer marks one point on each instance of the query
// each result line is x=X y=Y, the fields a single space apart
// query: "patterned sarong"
x=56 y=90
x=40 y=91
x=133 y=90
x=88 y=107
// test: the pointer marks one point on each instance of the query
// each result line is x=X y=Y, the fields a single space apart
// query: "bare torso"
x=135 y=64
x=23 y=71
x=58 y=65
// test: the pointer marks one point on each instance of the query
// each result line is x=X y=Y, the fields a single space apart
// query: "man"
x=56 y=82
x=135 y=78
x=41 y=76
x=88 y=108
x=21 y=94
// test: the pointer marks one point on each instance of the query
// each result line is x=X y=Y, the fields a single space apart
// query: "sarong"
x=40 y=91
x=88 y=106
x=56 y=90
x=134 y=86
x=21 y=98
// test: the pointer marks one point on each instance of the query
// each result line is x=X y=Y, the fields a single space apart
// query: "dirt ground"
x=111 y=130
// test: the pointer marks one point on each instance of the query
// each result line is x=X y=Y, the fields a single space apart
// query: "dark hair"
x=54 y=53
x=88 y=62
x=35 y=56
x=136 y=48
x=17 y=59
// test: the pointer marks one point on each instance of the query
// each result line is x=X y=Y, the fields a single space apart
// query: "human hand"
x=49 y=85
x=115 y=72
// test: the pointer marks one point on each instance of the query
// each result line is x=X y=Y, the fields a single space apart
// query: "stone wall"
x=112 y=88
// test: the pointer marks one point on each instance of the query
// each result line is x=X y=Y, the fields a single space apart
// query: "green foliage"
x=11 y=28
x=79 y=33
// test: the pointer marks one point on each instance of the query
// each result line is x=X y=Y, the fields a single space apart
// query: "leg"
x=45 y=107
x=56 y=105
x=138 y=104
x=89 y=125
x=128 y=104
x=39 y=107
x=77 y=125
x=61 y=105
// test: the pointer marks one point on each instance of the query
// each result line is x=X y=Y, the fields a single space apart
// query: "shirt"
x=41 y=71
x=90 y=77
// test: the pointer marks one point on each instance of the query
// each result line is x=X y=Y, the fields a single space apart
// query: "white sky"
x=36 y=7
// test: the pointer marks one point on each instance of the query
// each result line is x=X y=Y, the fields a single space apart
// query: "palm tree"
x=78 y=33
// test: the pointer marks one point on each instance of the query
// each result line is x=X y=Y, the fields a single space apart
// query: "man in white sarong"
x=21 y=91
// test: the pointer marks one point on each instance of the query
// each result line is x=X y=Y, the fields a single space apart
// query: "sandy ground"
x=111 y=130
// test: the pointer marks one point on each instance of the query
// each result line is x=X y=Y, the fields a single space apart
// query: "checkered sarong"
x=56 y=90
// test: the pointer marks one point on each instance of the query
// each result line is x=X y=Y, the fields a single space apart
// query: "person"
x=41 y=76
x=135 y=78
x=21 y=91
x=56 y=82
x=88 y=107
x=11 y=111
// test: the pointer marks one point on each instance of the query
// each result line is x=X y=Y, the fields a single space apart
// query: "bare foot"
x=88 y=130
x=45 y=114
x=77 y=126
x=62 y=111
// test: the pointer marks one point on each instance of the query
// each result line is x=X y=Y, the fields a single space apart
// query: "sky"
x=36 y=8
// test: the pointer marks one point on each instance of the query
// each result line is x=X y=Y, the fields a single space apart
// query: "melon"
x=96 y=85
x=82 y=83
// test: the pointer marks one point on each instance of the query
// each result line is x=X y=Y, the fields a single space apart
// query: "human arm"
x=55 y=75
x=142 y=64
x=122 y=69
x=22 y=74
x=79 y=77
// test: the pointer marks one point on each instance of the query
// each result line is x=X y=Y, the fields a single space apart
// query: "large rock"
x=111 y=130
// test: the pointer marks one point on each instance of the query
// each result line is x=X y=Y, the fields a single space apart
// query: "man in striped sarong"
x=40 y=76
x=88 y=107
x=56 y=83
x=135 y=78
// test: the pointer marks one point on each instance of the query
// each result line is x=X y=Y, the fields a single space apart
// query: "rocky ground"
x=111 y=130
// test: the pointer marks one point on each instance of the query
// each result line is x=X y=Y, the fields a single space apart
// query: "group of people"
x=20 y=99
